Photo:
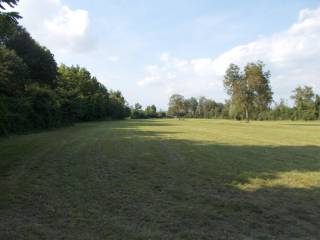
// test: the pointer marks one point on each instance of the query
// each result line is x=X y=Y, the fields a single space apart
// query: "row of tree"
x=137 y=112
x=201 y=107
x=37 y=94
x=251 y=97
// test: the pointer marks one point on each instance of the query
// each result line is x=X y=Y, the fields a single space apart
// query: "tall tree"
x=13 y=73
x=259 y=82
x=118 y=106
x=250 y=91
x=304 y=99
x=238 y=89
x=83 y=97
x=40 y=61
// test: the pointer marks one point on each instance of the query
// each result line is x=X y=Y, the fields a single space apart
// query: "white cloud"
x=113 y=59
x=293 y=56
x=57 y=26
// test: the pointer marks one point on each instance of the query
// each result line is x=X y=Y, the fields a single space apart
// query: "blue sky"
x=151 y=49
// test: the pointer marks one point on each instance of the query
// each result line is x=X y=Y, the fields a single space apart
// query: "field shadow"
x=218 y=191
x=155 y=184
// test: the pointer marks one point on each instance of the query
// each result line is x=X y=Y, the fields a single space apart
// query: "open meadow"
x=163 y=179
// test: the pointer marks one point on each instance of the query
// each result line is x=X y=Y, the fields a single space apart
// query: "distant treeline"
x=251 y=97
x=149 y=112
x=37 y=94
x=203 y=107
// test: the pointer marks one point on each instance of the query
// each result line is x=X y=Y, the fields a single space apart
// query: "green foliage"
x=317 y=107
x=6 y=30
x=250 y=91
x=35 y=94
x=194 y=108
x=258 y=81
x=177 y=105
x=304 y=99
x=9 y=16
x=191 y=105
x=44 y=107
x=83 y=97
x=118 y=107
x=13 y=73
x=150 y=112
x=40 y=61
x=137 y=112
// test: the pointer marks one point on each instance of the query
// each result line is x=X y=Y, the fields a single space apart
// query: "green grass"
x=163 y=179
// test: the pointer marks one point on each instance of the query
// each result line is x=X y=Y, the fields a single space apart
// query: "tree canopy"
x=250 y=90
x=9 y=16
x=35 y=93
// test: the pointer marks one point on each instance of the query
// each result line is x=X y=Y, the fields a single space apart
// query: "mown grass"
x=163 y=179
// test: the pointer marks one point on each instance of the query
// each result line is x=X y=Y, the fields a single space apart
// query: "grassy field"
x=163 y=179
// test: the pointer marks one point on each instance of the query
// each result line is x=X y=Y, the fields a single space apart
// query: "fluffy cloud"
x=56 y=25
x=291 y=55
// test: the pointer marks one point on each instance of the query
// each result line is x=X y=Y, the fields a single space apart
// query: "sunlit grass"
x=291 y=180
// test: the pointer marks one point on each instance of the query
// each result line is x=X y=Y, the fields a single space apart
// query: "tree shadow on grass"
x=206 y=190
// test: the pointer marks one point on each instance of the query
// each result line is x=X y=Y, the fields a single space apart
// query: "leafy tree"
x=191 y=105
x=137 y=111
x=237 y=88
x=118 y=106
x=304 y=99
x=177 y=105
x=259 y=80
x=83 y=98
x=317 y=106
x=39 y=60
x=151 y=111
x=10 y=16
x=13 y=79
x=35 y=94
x=282 y=111
x=13 y=73
x=250 y=91
x=7 y=28
x=44 y=107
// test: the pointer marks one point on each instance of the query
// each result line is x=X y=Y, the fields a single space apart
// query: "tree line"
x=35 y=93
x=137 y=112
x=251 y=97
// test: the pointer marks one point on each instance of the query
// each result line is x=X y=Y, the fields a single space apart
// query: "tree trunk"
x=247 y=115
